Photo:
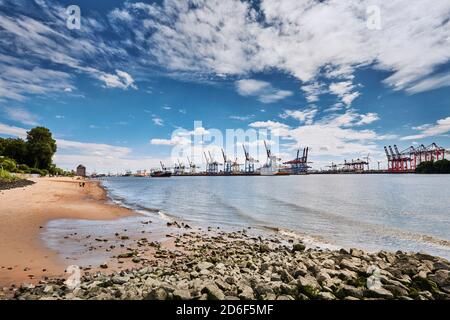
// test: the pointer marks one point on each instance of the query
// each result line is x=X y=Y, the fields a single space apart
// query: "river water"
x=372 y=212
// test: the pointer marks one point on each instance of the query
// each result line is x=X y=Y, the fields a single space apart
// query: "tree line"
x=429 y=167
x=33 y=155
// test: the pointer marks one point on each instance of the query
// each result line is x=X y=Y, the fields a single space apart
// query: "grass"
x=5 y=176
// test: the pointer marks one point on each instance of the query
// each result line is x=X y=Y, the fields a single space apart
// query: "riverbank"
x=237 y=266
x=20 y=183
x=24 y=213
x=189 y=263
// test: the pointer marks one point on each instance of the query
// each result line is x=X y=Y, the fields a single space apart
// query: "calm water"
x=373 y=212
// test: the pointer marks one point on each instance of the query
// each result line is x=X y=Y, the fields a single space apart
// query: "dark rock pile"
x=234 y=266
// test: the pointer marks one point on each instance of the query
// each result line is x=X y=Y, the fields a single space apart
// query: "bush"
x=5 y=176
x=8 y=164
x=429 y=167
x=24 y=168
x=36 y=171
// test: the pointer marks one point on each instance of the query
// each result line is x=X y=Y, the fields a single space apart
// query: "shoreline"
x=189 y=264
x=24 y=213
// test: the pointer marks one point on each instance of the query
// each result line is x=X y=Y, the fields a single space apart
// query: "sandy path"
x=24 y=211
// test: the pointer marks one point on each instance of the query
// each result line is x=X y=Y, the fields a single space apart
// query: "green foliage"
x=33 y=156
x=441 y=166
x=24 y=168
x=2 y=146
x=5 y=176
x=41 y=148
x=15 y=149
x=8 y=164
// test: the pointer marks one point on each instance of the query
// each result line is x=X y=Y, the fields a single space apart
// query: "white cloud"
x=345 y=91
x=302 y=38
x=265 y=92
x=441 y=127
x=242 y=118
x=306 y=115
x=174 y=141
x=158 y=121
x=335 y=135
x=313 y=91
x=121 y=80
x=430 y=83
x=277 y=128
x=13 y=131
x=21 y=115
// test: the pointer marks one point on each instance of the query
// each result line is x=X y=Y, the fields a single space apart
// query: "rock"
x=285 y=298
x=120 y=280
x=356 y=253
x=157 y=294
x=347 y=275
x=204 y=265
x=298 y=247
x=347 y=264
x=48 y=289
x=378 y=293
x=396 y=290
x=308 y=281
x=182 y=295
x=264 y=248
x=288 y=289
x=246 y=293
x=125 y=255
x=328 y=263
x=441 y=278
x=263 y=289
x=348 y=291
x=104 y=266
x=213 y=292
x=285 y=276
x=326 y=296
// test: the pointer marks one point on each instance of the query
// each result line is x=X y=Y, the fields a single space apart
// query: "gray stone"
x=326 y=296
x=285 y=298
x=213 y=292
x=204 y=265
x=182 y=295
x=298 y=247
x=349 y=291
x=157 y=294
x=378 y=293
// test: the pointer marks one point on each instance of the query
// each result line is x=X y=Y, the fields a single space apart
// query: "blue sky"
x=342 y=79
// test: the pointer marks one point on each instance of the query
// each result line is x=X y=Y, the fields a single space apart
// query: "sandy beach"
x=24 y=212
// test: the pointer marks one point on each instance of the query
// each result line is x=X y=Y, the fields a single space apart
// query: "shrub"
x=429 y=167
x=8 y=164
x=5 y=176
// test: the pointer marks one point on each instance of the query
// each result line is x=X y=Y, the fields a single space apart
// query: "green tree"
x=41 y=147
x=428 y=167
x=2 y=146
x=15 y=149
x=8 y=164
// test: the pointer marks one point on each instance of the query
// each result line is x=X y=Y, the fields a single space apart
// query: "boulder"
x=213 y=292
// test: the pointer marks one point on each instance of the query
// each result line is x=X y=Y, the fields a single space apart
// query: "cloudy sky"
x=122 y=91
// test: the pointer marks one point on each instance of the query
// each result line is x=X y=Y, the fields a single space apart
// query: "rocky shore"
x=238 y=266
x=15 y=184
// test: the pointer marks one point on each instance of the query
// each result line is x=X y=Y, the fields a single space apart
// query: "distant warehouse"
x=81 y=171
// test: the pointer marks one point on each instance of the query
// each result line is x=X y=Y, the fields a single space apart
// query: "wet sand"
x=25 y=211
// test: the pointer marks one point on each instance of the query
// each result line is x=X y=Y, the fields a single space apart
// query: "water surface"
x=372 y=212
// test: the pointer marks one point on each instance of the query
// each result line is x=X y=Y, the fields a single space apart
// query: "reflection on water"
x=373 y=212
